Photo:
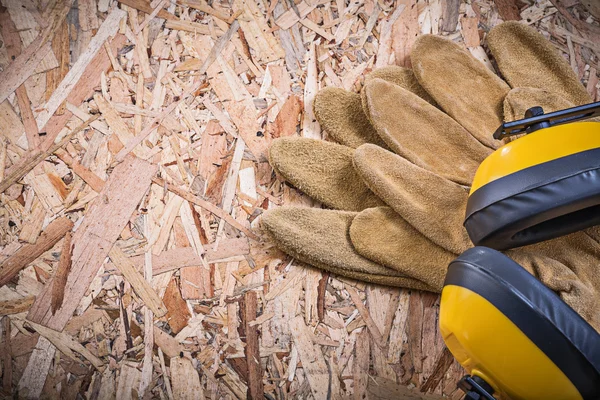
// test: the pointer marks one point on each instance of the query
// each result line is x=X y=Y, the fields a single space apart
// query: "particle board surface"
x=133 y=176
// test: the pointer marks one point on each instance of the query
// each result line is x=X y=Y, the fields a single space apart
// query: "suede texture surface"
x=320 y=238
x=423 y=134
x=322 y=170
x=403 y=77
x=526 y=59
x=461 y=85
x=341 y=115
x=381 y=235
x=433 y=205
x=569 y=266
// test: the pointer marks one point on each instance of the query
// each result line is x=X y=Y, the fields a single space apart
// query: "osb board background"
x=133 y=177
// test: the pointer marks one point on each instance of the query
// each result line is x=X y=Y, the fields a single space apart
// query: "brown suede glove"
x=439 y=155
x=325 y=172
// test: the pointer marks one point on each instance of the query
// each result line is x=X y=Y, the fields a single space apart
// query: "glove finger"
x=579 y=251
x=594 y=233
x=403 y=77
x=573 y=271
x=322 y=170
x=421 y=133
x=526 y=59
x=381 y=235
x=320 y=238
x=558 y=277
x=462 y=86
x=341 y=115
x=432 y=204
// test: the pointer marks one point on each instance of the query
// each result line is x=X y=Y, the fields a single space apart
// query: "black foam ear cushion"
x=554 y=327
x=538 y=203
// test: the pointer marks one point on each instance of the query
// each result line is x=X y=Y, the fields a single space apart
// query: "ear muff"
x=538 y=187
x=509 y=330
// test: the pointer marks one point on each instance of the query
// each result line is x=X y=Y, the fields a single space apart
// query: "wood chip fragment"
x=444 y=361
x=66 y=344
x=55 y=231
x=62 y=272
x=108 y=28
x=361 y=364
x=316 y=370
x=255 y=373
x=364 y=312
x=23 y=66
x=129 y=381
x=5 y=351
x=185 y=379
x=32 y=381
x=256 y=31
x=140 y=285
x=311 y=128
x=144 y=5
x=177 y=314
x=167 y=343
x=207 y=206
x=13 y=48
x=8 y=307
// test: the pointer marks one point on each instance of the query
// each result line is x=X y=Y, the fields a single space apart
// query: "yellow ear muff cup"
x=538 y=187
x=506 y=327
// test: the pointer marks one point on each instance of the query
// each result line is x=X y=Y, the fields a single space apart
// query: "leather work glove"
x=424 y=180
x=324 y=171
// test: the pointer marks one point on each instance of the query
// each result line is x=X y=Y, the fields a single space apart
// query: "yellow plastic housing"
x=487 y=344
x=536 y=148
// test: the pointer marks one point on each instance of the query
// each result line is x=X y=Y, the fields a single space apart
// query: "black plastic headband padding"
x=554 y=327
x=538 y=203
x=532 y=177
